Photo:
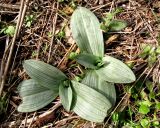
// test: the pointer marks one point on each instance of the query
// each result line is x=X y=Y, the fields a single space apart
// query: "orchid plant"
x=93 y=97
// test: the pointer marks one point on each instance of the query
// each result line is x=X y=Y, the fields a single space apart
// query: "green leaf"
x=107 y=89
x=115 y=71
x=88 y=60
x=34 y=96
x=144 y=109
x=86 y=31
x=4 y=101
x=157 y=105
x=104 y=27
x=45 y=74
x=149 y=85
x=10 y=30
x=145 y=123
x=158 y=50
x=152 y=59
x=146 y=102
x=72 y=55
x=66 y=96
x=155 y=122
x=89 y=104
x=117 y=25
x=146 y=48
x=115 y=117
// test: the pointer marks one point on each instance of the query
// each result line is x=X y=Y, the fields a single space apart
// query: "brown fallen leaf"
x=68 y=10
x=111 y=39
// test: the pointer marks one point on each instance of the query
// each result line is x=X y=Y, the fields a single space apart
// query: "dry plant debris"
x=42 y=32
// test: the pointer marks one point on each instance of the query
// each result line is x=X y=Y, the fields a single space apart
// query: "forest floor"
x=40 y=29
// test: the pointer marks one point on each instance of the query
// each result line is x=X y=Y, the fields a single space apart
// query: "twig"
x=65 y=59
x=106 y=5
x=101 y=6
x=23 y=15
x=53 y=34
x=11 y=50
x=4 y=58
x=10 y=6
x=36 y=118
x=9 y=12
x=30 y=124
x=20 y=25
x=66 y=119
x=110 y=10
x=150 y=29
x=25 y=120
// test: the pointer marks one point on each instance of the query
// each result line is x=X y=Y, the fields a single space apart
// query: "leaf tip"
x=132 y=77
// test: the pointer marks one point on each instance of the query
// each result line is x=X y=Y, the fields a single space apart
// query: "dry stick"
x=35 y=119
x=9 y=6
x=73 y=46
x=16 y=52
x=112 y=4
x=40 y=42
x=11 y=50
x=31 y=120
x=30 y=124
x=53 y=33
x=101 y=6
x=20 y=25
x=22 y=17
x=148 y=26
x=9 y=12
x=4 y=57
x=25 y=120
x=105 y=5
x=66 y=119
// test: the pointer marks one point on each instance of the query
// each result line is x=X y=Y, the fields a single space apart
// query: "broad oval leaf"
x=66 y=96
x=88 y=60
x=86 y=31
x=34 y=96
x=89 y=104
x=92 y=80
x=45 y=74
x=115 y=71
x=117 y=25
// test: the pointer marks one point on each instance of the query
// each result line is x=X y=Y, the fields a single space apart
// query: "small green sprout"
x=49 y=34
x=72 y=55
x=8 y=30
x=144 y=109
x=61 y=34
x=145 y=123
x=109 y=24
x=29 y=20
x=115 y=117
x=150 y=53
